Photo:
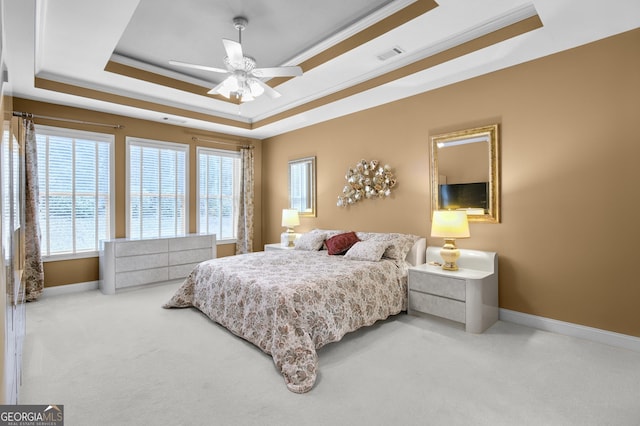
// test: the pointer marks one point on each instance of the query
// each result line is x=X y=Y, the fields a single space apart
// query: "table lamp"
x=290 y=219
x=450 y=224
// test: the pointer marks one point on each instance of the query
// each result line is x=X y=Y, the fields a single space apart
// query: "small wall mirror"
x=302 y=186
x=465 y=173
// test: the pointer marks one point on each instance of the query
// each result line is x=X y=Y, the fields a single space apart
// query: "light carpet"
x=123 y=360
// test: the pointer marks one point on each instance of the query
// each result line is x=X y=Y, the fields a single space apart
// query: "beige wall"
x=84 y=270
x=570 y=152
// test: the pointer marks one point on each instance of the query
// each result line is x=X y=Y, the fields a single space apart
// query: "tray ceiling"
x=113 y=56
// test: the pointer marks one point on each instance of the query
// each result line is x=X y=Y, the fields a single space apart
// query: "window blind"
x=75 y=188
x=156 y=188
x=218 y=192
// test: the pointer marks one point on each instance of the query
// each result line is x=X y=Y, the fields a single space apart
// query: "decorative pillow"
x=340 y=243
x=310 y=241
x=328 y=233
x=371 y=250
x=399 y=244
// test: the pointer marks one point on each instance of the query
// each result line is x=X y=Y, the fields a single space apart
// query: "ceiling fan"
x=244 y=79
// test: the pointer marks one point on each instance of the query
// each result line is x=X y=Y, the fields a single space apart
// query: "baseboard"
x=95 y=285
x=70 y=288
x=574 y=330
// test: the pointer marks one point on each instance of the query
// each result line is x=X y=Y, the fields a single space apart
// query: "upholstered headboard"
x=417 y=254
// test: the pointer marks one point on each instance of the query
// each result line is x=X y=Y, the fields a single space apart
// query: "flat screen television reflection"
x=464 y=195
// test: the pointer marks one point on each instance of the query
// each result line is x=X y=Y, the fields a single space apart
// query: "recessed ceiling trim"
x=144 y=66
x=42 y=83
x=162 y=80
x=140 y=71
x=513 y=16
x=505 y=33
x=477 y=32
x=465 y=48
x=387 y=24
x=372 y=19
x=403 y=16
x=443 y=55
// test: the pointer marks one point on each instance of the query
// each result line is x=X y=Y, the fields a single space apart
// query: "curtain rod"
x=238 y=144
x=44 y=117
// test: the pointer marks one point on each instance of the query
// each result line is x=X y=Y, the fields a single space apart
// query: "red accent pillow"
x=341 y=243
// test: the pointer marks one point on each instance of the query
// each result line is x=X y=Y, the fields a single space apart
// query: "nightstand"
x=468 y=295
x=276 y=246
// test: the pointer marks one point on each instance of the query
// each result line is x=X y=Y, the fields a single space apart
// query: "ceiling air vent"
x=395 y=51
x=173 y=120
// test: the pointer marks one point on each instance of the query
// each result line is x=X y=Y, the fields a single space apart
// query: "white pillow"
x=371 y=250
x=310 y=241
x=398 y=244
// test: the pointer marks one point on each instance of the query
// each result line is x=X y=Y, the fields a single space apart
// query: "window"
x=75 y=186
x=218 y=192
x=302 y=186
x=156 y=188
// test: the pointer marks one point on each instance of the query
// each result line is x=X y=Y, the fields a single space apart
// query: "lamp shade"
x=450 y=224
x=290 y=218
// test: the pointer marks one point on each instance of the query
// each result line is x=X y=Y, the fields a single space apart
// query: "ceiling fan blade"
x=225 y=87
x=198 y=67
x=278 y=72
x=234 y=52
x=268 y=89
x=216 y=90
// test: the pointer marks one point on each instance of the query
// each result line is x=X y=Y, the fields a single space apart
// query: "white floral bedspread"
x=290 y=303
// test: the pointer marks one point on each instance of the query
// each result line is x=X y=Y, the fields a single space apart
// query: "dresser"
x=126 y=263
x=468 y=295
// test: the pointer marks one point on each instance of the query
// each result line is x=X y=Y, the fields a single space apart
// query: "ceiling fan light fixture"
x=231 y=84
x=224 y=89
x=247 y=97
x=255 y=87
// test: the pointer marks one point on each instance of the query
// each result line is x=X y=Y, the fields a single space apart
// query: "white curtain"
x=33 y=269
x=244 y=241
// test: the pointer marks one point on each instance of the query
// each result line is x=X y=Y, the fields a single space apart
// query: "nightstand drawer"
x=435 y=284
x=440 y=306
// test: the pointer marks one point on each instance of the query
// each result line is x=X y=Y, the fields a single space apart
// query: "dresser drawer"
x=439 y=306
x=144 y=276
x=452 y=288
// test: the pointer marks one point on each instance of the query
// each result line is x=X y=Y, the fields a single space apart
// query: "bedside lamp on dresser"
x=290 y=220
x=450 y=224
x=468 y=295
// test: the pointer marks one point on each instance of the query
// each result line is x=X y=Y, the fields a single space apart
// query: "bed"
x=291 y=302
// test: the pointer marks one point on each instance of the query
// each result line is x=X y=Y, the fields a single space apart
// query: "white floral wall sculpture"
x=368 y=179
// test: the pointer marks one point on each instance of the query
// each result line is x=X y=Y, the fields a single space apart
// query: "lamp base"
x=288 y=238
x=449 y=254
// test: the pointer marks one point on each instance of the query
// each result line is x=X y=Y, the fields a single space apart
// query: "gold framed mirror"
x=302 y=186
x=465 y=173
